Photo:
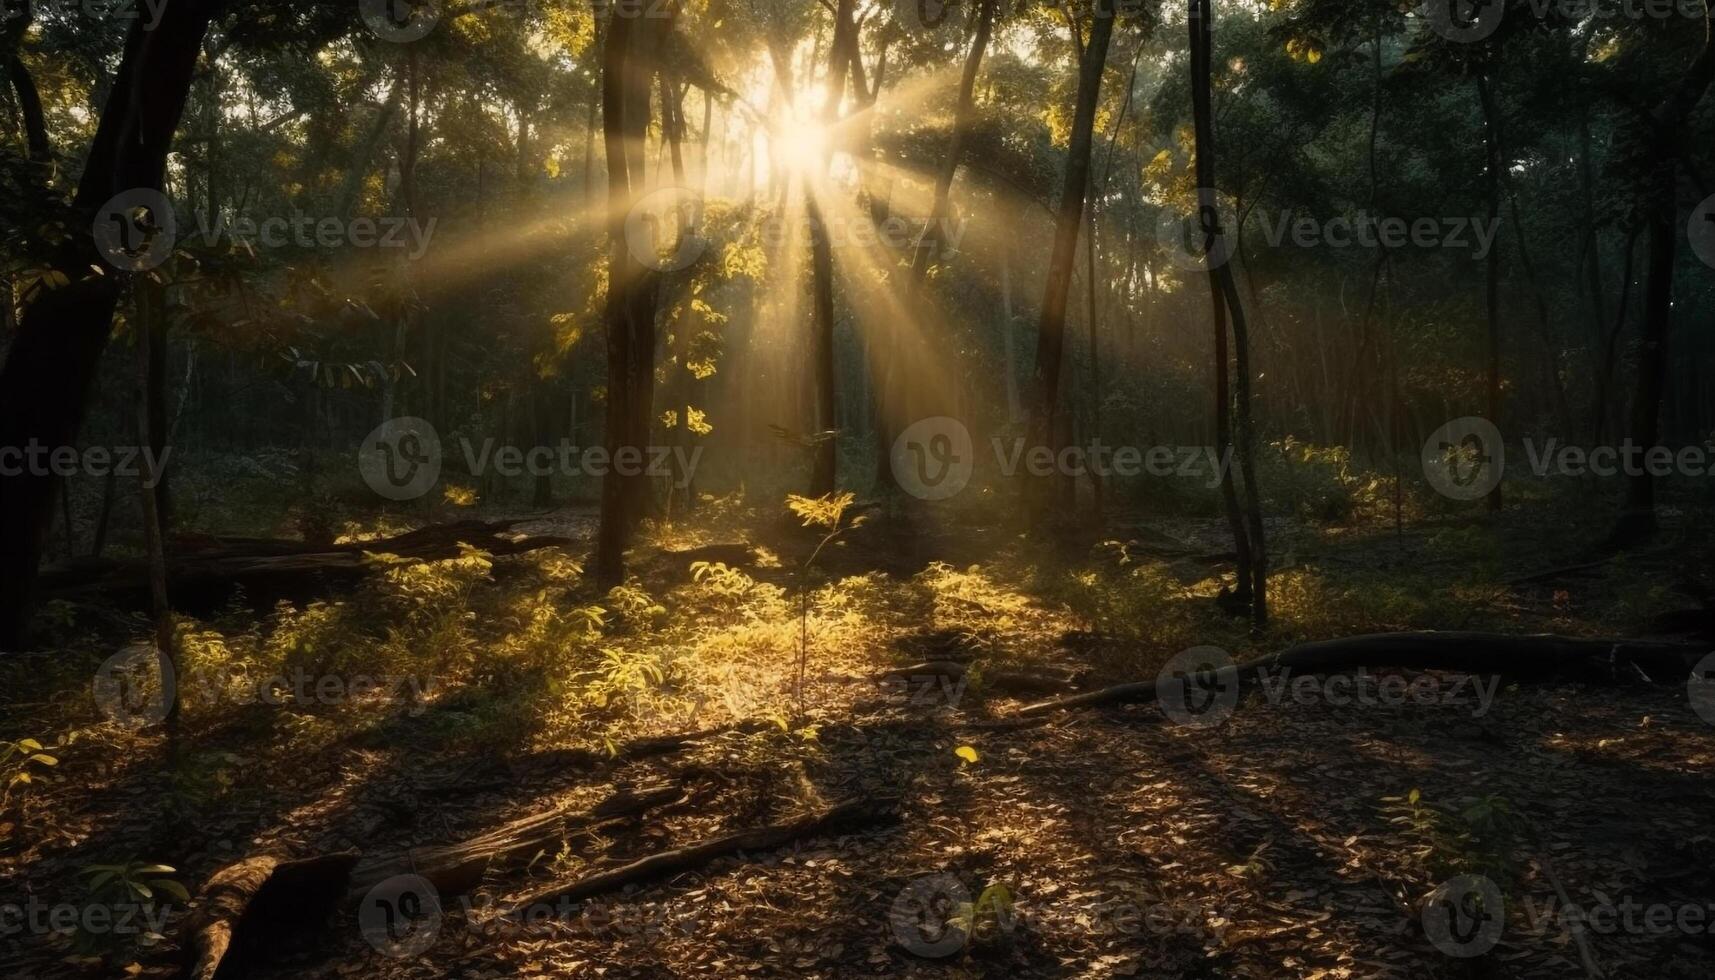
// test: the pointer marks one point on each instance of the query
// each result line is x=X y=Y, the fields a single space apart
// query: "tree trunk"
x=53 y=359
x=825 y=460
x=1222 y=297
x=1492 y=294
x=628 y=64
x=1051 y=332
x=1665 y=125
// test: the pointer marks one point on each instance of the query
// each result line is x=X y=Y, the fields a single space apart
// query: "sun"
x=804 y=147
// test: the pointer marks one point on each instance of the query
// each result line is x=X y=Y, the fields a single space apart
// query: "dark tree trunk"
x=628 y=64
x=1664 y=128
x=1051 y=334
x=825 y=461
x=53 y=359
x=1492 y=292
x=1224 y=297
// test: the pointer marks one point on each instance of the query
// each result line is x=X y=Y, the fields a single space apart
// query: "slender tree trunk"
x=1009 y=343
x=1095 y=397
x=1492 y=294
x=1068 y=220
x=154 y=543
x=1223 y=296
x=1664 y=128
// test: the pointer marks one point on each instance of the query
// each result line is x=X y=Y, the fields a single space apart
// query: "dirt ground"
x=1301 y=836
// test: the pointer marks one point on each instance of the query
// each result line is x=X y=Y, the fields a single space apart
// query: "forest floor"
x=1298 y=838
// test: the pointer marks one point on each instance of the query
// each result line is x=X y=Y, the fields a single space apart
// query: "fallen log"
x=992 y=678
x=205 y=572
x=457 y=868
x=1532 y=657
x=841 y=815
x=248 y=909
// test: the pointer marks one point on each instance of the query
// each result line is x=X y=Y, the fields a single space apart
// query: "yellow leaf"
x=966 y=753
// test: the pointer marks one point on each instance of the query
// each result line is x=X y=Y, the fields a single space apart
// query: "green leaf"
x=173 y=888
